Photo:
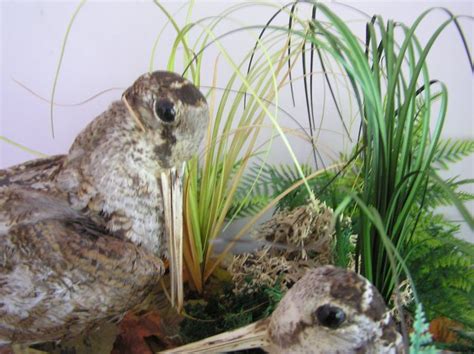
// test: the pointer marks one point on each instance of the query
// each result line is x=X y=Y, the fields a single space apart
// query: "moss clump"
x=227 y=311
x=303 y=232
x=294 y=240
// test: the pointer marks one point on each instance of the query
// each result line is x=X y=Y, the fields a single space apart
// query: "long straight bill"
x=251 y=336
x=172 y=189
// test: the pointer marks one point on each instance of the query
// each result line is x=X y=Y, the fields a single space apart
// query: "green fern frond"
x=436 y=196
x=420 y=339
x=450 y=151
x=261 y=184
x=248 y=206
x=344 y=246
x=442 y=267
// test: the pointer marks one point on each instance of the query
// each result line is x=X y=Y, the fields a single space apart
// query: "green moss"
x=227 y=311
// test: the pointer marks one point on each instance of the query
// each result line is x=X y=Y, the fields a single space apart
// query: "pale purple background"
x=110 y=45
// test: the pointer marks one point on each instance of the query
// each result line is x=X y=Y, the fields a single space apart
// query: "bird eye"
x=164 y=109
x=330 y=316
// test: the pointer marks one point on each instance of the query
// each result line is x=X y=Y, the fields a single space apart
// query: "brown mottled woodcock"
x=82 y=235
x=329 y=310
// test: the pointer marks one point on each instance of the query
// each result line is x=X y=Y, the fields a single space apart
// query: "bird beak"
x=172 y=189
x=251 y=336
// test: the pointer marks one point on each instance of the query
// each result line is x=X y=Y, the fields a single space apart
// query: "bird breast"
x=112 y=170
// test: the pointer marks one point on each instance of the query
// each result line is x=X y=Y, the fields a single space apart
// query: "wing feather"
x=60 y=271
x=37 y=173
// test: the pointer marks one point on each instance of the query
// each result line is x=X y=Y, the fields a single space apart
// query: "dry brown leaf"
x=441 y=329
x=6 y=349
x=139 y=334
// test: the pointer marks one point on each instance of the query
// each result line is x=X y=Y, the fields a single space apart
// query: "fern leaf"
x=248 y=206
x=437 y=196
x=450 y=151
x=421 y=339
x=442 y=267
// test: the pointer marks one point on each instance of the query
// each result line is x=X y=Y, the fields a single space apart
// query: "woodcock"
x=329 y=310
x=83 y=235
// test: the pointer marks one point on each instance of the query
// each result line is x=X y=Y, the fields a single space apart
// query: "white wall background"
x=110 y=45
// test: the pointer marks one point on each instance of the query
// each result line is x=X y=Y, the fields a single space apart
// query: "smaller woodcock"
x=83 y=235
x=329 y=310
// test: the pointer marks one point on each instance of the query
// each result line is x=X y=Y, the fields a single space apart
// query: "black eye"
x=330 y=316
x=164 y=109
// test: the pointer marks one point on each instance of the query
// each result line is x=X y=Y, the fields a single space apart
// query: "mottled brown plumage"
x=333 y=310
x=81 y=235
x=329 y=310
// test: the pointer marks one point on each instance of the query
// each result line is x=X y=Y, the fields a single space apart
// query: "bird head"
x=173 y=115
x=172 y=112
x=335 y=310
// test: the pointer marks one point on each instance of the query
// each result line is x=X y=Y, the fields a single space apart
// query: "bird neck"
x=111 y=171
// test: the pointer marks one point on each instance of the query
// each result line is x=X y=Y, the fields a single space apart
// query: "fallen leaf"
x=140 y=334
x=441 y=329
x=6 y=349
